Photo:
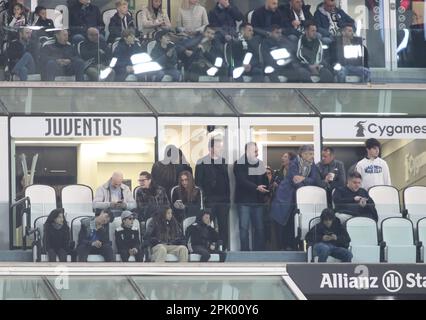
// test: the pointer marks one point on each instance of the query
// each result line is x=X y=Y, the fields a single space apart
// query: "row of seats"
x=399 y=242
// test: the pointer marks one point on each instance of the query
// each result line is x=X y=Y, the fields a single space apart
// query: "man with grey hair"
x=114 y=195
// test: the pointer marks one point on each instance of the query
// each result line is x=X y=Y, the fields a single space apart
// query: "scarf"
x=304 y=167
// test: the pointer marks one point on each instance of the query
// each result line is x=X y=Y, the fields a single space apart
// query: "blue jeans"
x=253 y=213
x=53 y=69
x=362 y=72
x=24 y=66
x=323 y=250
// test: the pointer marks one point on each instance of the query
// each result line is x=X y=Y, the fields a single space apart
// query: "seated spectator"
x=120 y=21
x=165 y=54
x=82 y=16
x=246 y=44
x=165 y=236
x=186 y=198
x=21 y=53
x=330 y=20
x=60 y=58
x=310 y=54
x=329 y=238
x=94 y=237
x=17 y=18
x=154 y=18
x=149 y=197
x=267 y=16
x=56 y=236
x=127 y=238
x=354 y=200
x=126 y=48
x=96 y=54
x=296 y=14
x=288 y=66
x=224 y=17
x=351 y=56
x=199 y=54
x=192 y=17
x=40 y=20
x=203 y=238
x=114 y=195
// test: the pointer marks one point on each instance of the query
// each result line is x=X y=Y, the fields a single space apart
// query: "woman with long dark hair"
x=56 y=236
x=186 y=197
x=154 y=17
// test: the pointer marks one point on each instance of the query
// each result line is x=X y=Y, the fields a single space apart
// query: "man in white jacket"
x=373 y=169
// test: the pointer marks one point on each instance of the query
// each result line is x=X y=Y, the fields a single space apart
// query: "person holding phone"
x=186 y=198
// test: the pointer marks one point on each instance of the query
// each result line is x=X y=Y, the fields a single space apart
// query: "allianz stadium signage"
x=84 y=127
x=352 y=279
x=364 y=128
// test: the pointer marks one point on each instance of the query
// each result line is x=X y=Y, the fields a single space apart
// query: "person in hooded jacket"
x=127 y=238
x=203 y=238
x=56 y=236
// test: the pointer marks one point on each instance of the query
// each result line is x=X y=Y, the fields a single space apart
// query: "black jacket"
x=239 y=50
x=264 y=19
x=56 y=239
x=46 y=24
x=118 y=24
x=225 y=19
x=207 y=174
x=148 y=200
x=192 y=208
x=123 y=52
x=289 y=17
x=127 y=238
x=338 y=168
x=317 y=232
x=269 y=44
x=17 y=49
x=100 y=53
x=216 y=50
x=159 y=54
x=247 y=182
x=88 y=233
x=83 y=18
x=57 y=51
x=166 y=175
x=337 y=54
x=344 y=202
x=173 y=234
x=201 y=234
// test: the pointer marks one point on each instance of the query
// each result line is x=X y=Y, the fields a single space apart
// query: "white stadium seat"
x=386 y=199
x=364 y=244
x=106 y=18
x=398 y=235
x=135 y=191
x=139 y=20
x=415 y=203
x=421 y=236
x=77 y=200
x=43 y=201
x=249 y=16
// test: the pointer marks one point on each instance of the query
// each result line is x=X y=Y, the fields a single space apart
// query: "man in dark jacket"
x=329 y=238
x=203 y=238
x=353 y=200
x=266 y=16
x=251 y=188
x=296 y=14
x=61 y=58
x=96 y=54
x=84 y=15
x=211 y=175
x=94 y=237
x=22 y=54
x=165 y=54
x=127 y=238
x=224 y=16
x=120 y=21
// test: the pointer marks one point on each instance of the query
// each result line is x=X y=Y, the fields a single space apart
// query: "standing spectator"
x=266 y=16
x=21 y=54
x=282 y=173
x=114 y=195
x=354 y=200
x=250 y=191
x=165 y=237
x=373 y=169
x=330 y=20
x=310 y=54
x=127 y=238
x=94 y=237
x=351 y=55
x=120 y=21
x=332 y=172
x=186 y=197
x=57 y=236
x=149 y=197
x=166 y=172
x=164 y=53
x=192 y=17
x=60 y=58
x=224 y=16
x=203 y=238
x=302 y=172
x=329 y=238
x=211 y=175
x=246 y=45
x=96 y=54
x=154 y=18
x=296 y=14
x=84 y=15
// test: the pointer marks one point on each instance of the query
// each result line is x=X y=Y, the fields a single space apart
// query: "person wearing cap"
x=94 y=236
x=203 y=238
x=329 y=238
x=302 y=172
x=164 y=53
x=127 y=238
